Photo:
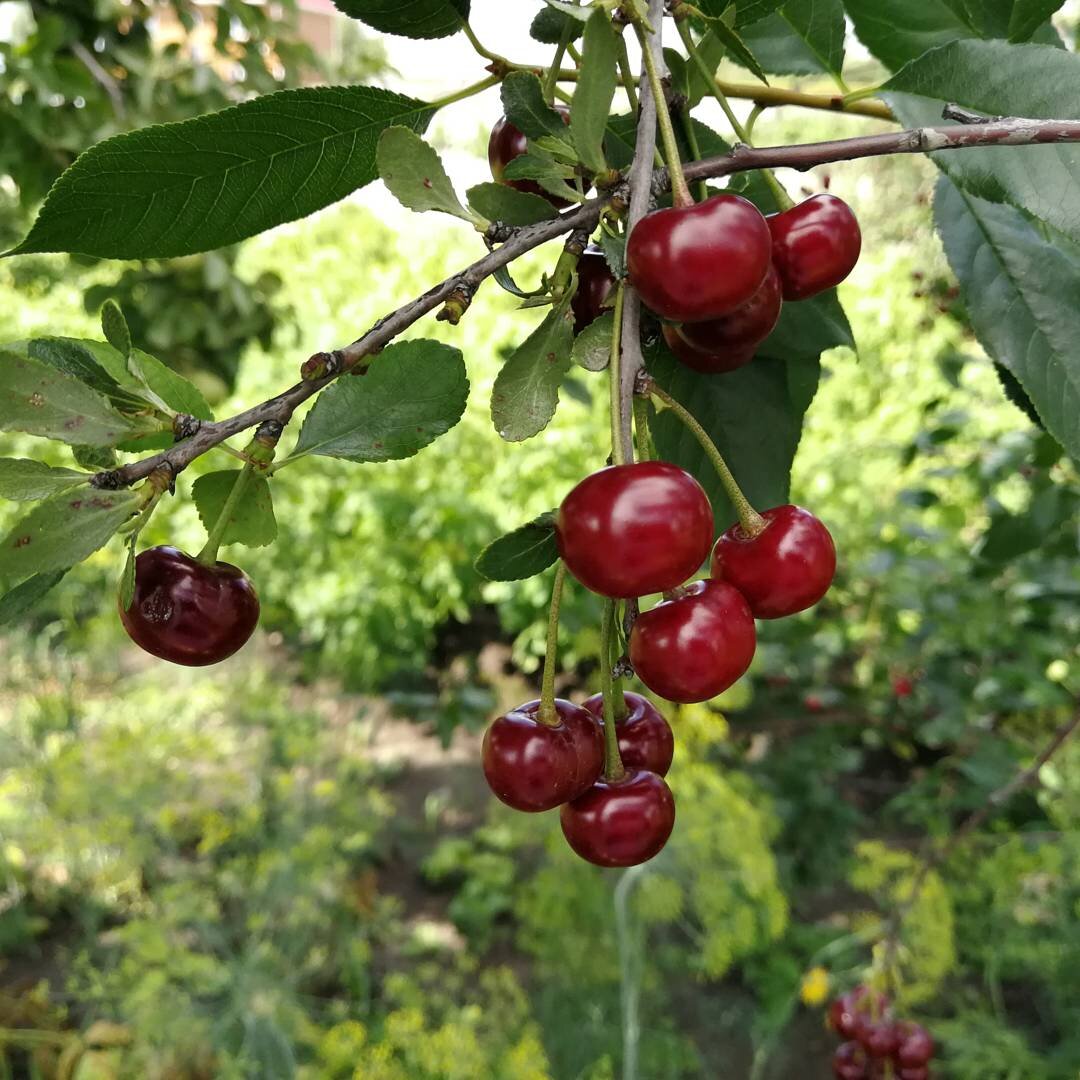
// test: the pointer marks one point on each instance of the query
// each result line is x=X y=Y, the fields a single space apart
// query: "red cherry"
x=620 y=822
x=724 y=344
x=645 y=739
x=189 y=613
x=815 y=245
x=850 y=1062
x=691 y=263
x=631 y=530
x=787 y=567
x=505 y=143
x=879 y=1037
x=813 y=703
x=694 y=647
x=916 y=1072
x=596 y=283
x=534 y=766
x=903 y=686
x=915 y=1045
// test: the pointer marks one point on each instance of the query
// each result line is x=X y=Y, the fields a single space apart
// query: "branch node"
x=498 y=232
x=184 y=426
x=622 y=668
x=113 y=480
x=321 y=365
x=457 y=303
x=952 y=111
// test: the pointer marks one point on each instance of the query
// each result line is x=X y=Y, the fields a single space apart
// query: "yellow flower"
x=815 y=986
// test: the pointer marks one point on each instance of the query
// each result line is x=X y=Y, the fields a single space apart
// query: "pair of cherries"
x=876 y=1043
x=535 y=766
x=720 y=270
x=632 y=530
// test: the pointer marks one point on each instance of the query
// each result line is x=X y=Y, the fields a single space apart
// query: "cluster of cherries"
x=877 y=1044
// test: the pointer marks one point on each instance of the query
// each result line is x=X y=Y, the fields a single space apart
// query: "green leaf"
x=38 y=399
x=63 y=530
x=614 y=248
x=712 y=51
x=523 y=553
x=525 y=107
x=805 y=37
x=995 y=78
x=414 y=173
x=573 y=10
x=736 y=48
x=747 y=12
x=545 y=170
x=413 y=392
x=94 y=457
x=23 y=480
x=499 y=202
x=127 y=578
x=1028 y=15
x=595 y=91
x=1022 y=291
x=808 y=328
x=175 y=189
x=754 y=415
x=115 y=328
x=251 y=521
x=592 y=347
x=24 y=597
x=82 y=360
x=416 y=19
x=550 y=24
x=173 y=388
x=526 y=390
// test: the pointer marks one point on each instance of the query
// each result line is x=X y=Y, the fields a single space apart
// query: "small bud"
x=320 y=365
x=457 y=303
x=184 y=426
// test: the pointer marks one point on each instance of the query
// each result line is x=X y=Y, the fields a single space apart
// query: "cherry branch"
x=325 y=367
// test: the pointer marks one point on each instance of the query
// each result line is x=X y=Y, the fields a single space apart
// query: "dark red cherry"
x=850 y=1062
x=534 y=766
x=631 y=530
x=916 y=1072
x=850 y=1012
x=694 y=647
x=903 y=686
x=505 y=143
x=187 y=612
x=645 y=739
x=596 y=284
x=879 y=1038
x=706 y=363
x=787 y=567
x=915 y=1047
x=620 y=822
x=815 y=245
x=691 y=263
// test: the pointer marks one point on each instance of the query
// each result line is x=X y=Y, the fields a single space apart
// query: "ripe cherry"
x=815 y=245
x=645 y=739
x=596 y=283
x=915 y=1045
x=631 y=530
x=851 y=1011
x=917 y=1072
x=787 y=567
x=187 y=612
x=879 y=1037
x=850 y=1062
x=534 y=766
x=694 y=647
x=691 y=263
x=505 y=143
x=903 y=686
x=727 y=343
x=620 y=822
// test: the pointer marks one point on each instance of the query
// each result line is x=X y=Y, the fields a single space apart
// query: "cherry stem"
x=547 y=714
x=209 y=553
x=613 y=766
x=680 y=192
x=751 y=522
x=618 y=450
x=625 y=73
x=467 y=92
x=686 y=121
x=552 y=76
x=641 y=429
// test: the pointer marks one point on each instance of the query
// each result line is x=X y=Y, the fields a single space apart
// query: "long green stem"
x=613 y=766
x=626 y=74
x=467 y=92
x=552 y=76
x=641 y=429
x=750 y=520
x=680 y=192
x=208 y=555
x=618 y=456
x=686 y=121
x=474 y=41
x=546 y=714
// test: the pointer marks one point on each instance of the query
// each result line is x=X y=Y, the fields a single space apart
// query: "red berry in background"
x=631 y=530
x=723 y=344
x=533 y=766
x=903 y=686
x=620 y=822
x=691 y=263
x=812 y=703
x=815 y=245
x=187 y=612
x=915 y=1047
x=694 y=647
x=505 y=143
x=850 y=1062
x=850 y=1012
x=645 y=738
x=917 y=1072
x=596 y=283
x=879 y=1038
x=786 y=568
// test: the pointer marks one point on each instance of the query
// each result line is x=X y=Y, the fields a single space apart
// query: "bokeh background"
x=289 y=865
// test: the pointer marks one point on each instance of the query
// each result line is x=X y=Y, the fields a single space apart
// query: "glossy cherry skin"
x=850 y=1012
x=788 y=567
x=631 y=530
x=620 y=822
x=691 y=263
x=695 y=647
x=706 y=363
x=850 y=1062
x=916 y=1072
x=645 y=738
x=596 y=283
x=815 y=245
x=505 y=143
x=879 y=1038
x=189 y=613
x=533 y=766
x=915 y=1046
